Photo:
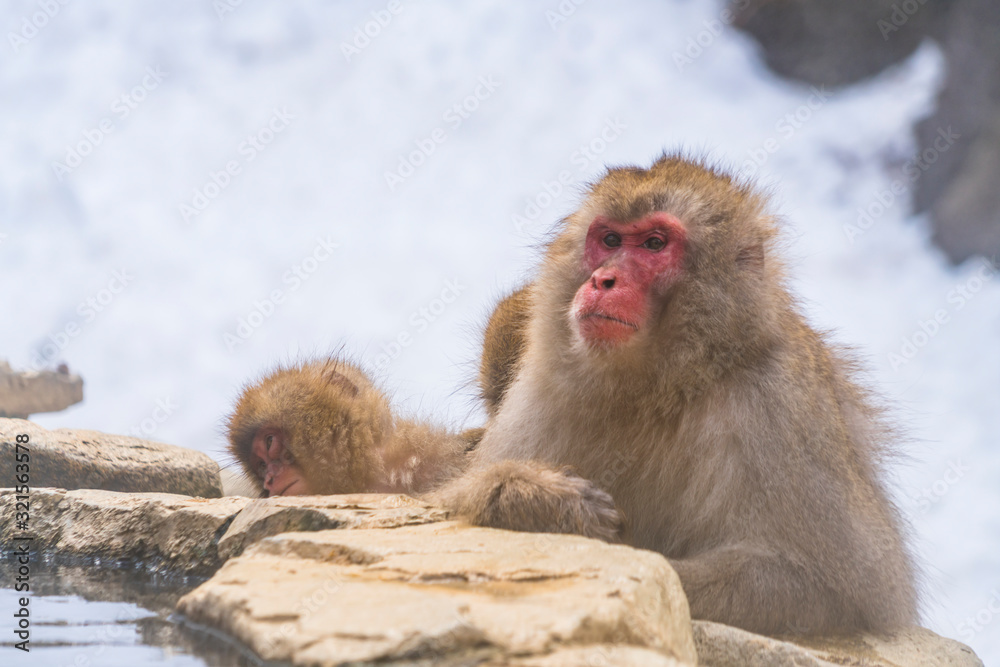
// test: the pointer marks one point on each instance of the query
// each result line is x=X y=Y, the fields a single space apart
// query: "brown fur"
x=342 y=432
x=729 y=435
x=745 y=451
x=503 y=343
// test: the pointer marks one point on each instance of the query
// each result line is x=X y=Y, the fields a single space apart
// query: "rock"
x=177 y=532
x=724 y=646
x=966 y=218
x=834 y=42
x=959 y=143
x=283 y=514
x=602 y=655
x=29 y=392
x=447 y=593
x=71 y=459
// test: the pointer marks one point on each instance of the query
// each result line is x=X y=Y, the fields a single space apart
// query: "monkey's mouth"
x=287 y=491
x=634 y=327
x=603 y=329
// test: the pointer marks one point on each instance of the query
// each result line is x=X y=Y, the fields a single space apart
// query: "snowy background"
x=128 y=252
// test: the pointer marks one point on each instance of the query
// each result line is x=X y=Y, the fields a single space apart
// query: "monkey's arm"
x=533 y=497
x=503 y=346
x=418 y=456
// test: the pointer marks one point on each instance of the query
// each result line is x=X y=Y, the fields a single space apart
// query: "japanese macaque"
x=503 y=342
x=657 y=384
x=323 y=428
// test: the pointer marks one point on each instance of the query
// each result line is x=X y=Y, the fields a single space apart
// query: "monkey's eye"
x=612 y=240
x=654 y=243
x=268 y=441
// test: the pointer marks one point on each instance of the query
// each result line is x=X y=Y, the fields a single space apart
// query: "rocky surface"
x=959 y=186
x=28 y=392
x=73 y=459
x=447 y=591
x=265 y=517
x=724 y=646
x=176 y=532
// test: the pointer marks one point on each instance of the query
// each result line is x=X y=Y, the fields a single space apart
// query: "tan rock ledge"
x=724 y=646
x=190 y=535
x=71 y=459
x=24 y=393
x=178 y=532
x=283 y=514
x=449 y=593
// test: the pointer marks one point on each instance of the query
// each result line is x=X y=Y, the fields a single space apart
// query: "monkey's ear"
x=751 y=258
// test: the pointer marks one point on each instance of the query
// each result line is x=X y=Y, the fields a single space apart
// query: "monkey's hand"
x=532 y=497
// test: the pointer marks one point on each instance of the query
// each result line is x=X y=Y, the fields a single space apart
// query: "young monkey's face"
x=275 y=466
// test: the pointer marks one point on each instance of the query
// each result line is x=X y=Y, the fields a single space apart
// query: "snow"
x=308 y=215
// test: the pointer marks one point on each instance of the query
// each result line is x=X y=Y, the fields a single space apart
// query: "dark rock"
x=960 y=188
x=835 y=42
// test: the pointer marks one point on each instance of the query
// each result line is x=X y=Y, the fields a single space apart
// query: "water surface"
x=87 y=614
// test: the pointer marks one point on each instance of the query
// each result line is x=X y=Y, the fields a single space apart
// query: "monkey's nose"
x=603 y=279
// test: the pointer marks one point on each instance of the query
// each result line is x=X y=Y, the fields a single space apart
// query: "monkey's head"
x=665 y=262
x=310 y=428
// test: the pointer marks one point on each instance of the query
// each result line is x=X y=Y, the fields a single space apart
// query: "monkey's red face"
x=629 y=263
x=275 y=465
